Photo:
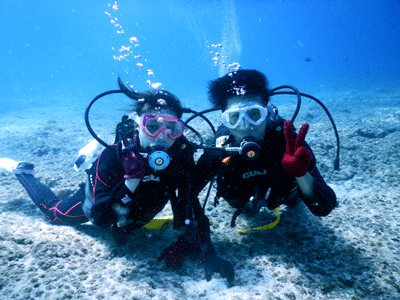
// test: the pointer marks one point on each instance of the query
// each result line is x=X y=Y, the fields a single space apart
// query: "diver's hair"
x=152 y=99
x=240 y=82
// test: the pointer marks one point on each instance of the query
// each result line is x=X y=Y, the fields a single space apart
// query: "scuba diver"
x=258 y=159
x=150 y=163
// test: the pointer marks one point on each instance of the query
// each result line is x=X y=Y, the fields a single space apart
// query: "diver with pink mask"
x=150 y=163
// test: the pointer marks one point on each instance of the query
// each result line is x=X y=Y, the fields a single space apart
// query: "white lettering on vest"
x=254 y=173
x=150 y=177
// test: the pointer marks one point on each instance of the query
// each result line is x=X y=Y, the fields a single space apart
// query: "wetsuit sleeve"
x=210 y=162
x=102 y=212
x=185 y=185
x=108 y=187
x=324 y=198
x=207 y=167
x=203 y=224
x=188 y=202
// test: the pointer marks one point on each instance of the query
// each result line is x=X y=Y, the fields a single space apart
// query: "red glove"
x=296 y=159
x=175 y=253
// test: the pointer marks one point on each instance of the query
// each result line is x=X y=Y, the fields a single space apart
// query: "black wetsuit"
x=238 y=179
x=105 y=187
x=67 y=211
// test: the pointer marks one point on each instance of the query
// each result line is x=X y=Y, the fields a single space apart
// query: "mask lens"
x=254 y=114
x=154 y=125
x=233 y=117
x=175 y=128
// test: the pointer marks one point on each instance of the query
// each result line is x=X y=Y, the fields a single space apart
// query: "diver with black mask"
x=149 y=164
x=275 y=165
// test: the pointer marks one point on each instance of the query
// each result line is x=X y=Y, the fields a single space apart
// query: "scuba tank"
x=87 y=155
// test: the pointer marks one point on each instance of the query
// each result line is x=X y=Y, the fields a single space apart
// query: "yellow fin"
x=265 y=227
x=159 y=223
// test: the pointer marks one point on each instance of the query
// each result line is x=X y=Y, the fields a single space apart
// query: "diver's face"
x=149 y=135
x=248 y=117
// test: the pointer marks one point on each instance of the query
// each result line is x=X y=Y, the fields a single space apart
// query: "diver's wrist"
x=306 y=184
x=132 y=184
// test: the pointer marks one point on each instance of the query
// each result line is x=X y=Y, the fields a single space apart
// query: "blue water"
x=58 y=51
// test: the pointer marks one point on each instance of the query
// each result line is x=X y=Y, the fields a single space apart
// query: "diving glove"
x=297 y=157
x=134 y=163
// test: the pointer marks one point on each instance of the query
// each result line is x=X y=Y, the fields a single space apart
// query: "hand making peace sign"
x=296 y=159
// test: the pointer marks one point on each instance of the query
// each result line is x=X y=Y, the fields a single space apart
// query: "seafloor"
x=351 y=254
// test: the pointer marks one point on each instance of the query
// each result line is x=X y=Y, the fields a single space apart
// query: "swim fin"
x=159 y=223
